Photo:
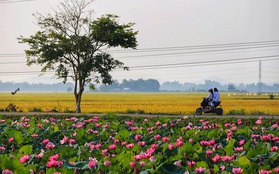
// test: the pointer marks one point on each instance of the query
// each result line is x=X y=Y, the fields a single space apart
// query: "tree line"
x=139 y=85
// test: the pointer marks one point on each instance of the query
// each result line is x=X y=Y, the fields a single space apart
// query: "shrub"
x=236 y=112
x=130 y=111
x=258 y=113
x=35 y=109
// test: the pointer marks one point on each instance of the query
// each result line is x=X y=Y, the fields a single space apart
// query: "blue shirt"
x=216 y=96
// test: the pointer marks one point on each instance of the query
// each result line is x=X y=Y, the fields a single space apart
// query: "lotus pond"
x=122 y=144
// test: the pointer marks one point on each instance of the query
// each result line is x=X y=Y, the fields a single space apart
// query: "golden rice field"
x=150 y=103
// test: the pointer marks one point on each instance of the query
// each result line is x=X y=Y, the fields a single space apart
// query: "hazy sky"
x=195 y=39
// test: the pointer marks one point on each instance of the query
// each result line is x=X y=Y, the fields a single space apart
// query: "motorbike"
x=205 y=108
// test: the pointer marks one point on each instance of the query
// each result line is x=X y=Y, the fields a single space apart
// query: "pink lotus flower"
x=64 y=140
x=54 y=157
x=141 y=143
x=50 y=145
x=116 y=141
x=130 y=146
x=98 y=124
x=255 y=136
x=216 y=158
x=265 y=171
x=11 y=139
x=191 y=163
x=112 y=147
x=142 y=164
x=258 y=121
x=239 y=121
x=2 y=148
x=237 y=170
x=238 y=149
x=51 y=164
x=7 y=171
x=132 y=164
x=274 y=126
x=241 y=142
x=24 y=159
x=227 y=158
x=137 y=137
x=154 y=146
x=157 y=137
x=157 y=123
x=130 y=123
x=138 y=157
x=107 y=163
x=165 y=139
x=276 y=170
x=39 y=125
x=39 y=156
x=44 y=142
x=92 y=163
x=170 y=146
x=34 y=135
x=273 y=148
x=179 y=143
x=72 y=141
x=152 y=158
x=199 y=170
x=104 y=151
x=275 y=139
x=177 y=163
x=209 y=152
x=164 y=125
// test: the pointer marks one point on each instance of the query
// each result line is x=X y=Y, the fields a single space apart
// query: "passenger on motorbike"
x=216 y=98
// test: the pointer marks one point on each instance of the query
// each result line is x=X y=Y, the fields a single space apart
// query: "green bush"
x=130 y=111
x=35 y=109
x=236 y=112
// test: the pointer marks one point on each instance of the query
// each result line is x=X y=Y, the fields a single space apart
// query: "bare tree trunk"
x=78 y=109
x=78 y=93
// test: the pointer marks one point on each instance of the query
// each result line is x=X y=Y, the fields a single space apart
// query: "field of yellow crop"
x=151 y=103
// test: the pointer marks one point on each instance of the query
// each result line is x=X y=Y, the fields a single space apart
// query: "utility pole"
x=260 y=78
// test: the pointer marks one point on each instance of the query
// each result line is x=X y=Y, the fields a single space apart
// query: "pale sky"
x=174 y=28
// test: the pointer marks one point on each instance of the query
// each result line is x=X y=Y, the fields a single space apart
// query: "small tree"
x=231 y=88
x=73 y=45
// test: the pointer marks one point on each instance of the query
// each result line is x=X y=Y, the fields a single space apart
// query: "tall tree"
x=74 y=45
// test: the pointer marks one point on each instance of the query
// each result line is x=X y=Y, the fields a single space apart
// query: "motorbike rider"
x=216 y=98
x=209 y=98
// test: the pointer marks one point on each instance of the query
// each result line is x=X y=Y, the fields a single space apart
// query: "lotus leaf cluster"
x=122 y=144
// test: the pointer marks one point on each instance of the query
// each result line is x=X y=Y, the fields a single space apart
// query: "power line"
x=11 y=63
x=245 y=45
x=16 y=1
x=192 y=52
x=206 y=63
x=200 y=46
x=179 y=65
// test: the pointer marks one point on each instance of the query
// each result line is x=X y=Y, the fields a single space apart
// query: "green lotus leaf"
x=172 y=169
x=26 y=149
x=83 y=165
x=17 y=136
x=123 y=135
x=229 y=147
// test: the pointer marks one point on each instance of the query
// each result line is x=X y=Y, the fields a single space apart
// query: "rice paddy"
x=149 y=103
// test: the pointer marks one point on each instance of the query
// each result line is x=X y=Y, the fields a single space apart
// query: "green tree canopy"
x=74 y=46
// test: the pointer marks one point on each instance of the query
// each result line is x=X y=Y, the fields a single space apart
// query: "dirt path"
x=134 y=115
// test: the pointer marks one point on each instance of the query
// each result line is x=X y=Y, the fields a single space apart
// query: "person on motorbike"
x=216 y=98
x=208 y=99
